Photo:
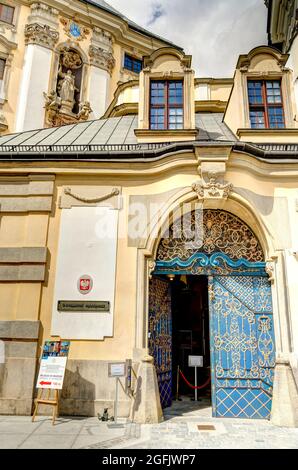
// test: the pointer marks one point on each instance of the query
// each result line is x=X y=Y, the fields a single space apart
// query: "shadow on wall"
x=137 y=398
x=78 y=395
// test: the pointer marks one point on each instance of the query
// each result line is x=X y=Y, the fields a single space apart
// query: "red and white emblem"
x=85 y=284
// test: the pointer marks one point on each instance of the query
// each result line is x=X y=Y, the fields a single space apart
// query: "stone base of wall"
x=17 y=373
x=88 y=390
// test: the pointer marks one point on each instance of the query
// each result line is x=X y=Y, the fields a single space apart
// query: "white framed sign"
x=117 y=369
x=195 y=361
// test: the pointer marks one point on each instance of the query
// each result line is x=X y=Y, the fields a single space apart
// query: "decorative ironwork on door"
x=160 y=336
x=242 y=346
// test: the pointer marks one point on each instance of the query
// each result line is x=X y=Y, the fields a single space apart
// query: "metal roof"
x=106 y=7
x=106 y=132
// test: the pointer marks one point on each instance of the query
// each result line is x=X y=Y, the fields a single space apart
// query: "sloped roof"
x=106 y=7
x=104 y=132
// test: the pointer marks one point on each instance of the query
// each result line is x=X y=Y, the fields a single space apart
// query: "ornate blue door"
x=242 y=346
x=160 y=336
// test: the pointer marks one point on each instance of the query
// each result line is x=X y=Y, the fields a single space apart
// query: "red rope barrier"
x=192 y=386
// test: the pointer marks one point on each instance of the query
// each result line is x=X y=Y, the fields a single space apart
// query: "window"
x=133 y=64
x=6 y=13
x=166 y=105
x=2 y=67
x=265 y=104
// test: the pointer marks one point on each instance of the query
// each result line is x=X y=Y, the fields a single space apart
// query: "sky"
x=214 y=32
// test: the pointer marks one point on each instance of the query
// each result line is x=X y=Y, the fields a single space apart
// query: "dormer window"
x=132 y=64
x=265 y=104
x=6 y=13
x=166 y=104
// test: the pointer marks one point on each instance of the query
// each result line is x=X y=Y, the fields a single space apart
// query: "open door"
x=160 y=336
x=242 y=346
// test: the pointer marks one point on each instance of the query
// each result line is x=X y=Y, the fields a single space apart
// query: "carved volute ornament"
x=212 y=189
x=41 y=34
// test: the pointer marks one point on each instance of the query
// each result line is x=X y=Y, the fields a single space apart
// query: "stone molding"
x=15 y=273
x=102 y=196
x=23 y=255
x=19 y=329
x=26 y=194
x=41 y=35
x=101 y=58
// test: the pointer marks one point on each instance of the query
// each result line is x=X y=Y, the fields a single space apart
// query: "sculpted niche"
x=64 y=105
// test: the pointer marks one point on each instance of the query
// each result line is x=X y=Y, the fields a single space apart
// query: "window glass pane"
x=175 y=92
x=273 y=92
x=157 y=118
x=257 y=119
x=133 y=64
x=255 y=95
x=6 y=13
x=157 y=93
x=175 y=118
x=276 y=117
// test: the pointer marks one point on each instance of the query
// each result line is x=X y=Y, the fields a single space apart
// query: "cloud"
x=214 y=32
x=157 y=12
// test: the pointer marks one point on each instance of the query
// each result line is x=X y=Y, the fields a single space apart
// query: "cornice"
x=214 y=81
x=242 y=132
x=212 y=106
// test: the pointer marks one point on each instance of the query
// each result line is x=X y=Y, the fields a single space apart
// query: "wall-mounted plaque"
x=83 y=306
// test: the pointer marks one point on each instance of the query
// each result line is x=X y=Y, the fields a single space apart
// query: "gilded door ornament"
x=242 y=346
x=216 y=231
x=160 y=336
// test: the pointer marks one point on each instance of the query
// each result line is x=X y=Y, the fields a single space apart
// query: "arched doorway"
x=226 y=262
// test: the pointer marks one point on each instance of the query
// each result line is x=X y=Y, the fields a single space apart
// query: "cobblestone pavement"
x=184 y=427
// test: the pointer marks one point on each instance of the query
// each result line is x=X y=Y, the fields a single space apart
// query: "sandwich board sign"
x=53 y=365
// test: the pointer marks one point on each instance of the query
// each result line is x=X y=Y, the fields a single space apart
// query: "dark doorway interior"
x=190 y=332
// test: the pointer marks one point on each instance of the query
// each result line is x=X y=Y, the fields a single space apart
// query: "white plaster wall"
x=292 y=273
x=202 y=92
x=87 y=246
x=293 y=64
x=35 y=79
x=98 y=91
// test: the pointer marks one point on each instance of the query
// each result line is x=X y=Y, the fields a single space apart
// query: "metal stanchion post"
x=196 y=384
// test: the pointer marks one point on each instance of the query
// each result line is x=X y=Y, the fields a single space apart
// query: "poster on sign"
x=53 y=365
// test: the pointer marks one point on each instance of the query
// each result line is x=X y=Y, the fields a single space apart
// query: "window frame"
x=134 y=60
x=264 y=107
x=2 y=4
x=2 y=59
x=166 y=105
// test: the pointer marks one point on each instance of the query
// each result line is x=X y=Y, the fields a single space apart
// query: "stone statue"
x=85 y=110
x=52 y=104
x=67 y=86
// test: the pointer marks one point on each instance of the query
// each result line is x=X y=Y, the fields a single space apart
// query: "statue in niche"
x=63 y=104
x=67 y=89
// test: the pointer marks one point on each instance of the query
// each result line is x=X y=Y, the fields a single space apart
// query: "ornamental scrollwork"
x=214 y=231
x=41 y=35
x=212 y=189
x=101 y=58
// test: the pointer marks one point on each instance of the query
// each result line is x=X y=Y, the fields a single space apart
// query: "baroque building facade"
x=174 y=198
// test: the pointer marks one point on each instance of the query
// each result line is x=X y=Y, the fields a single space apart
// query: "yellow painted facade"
x=47 y=182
